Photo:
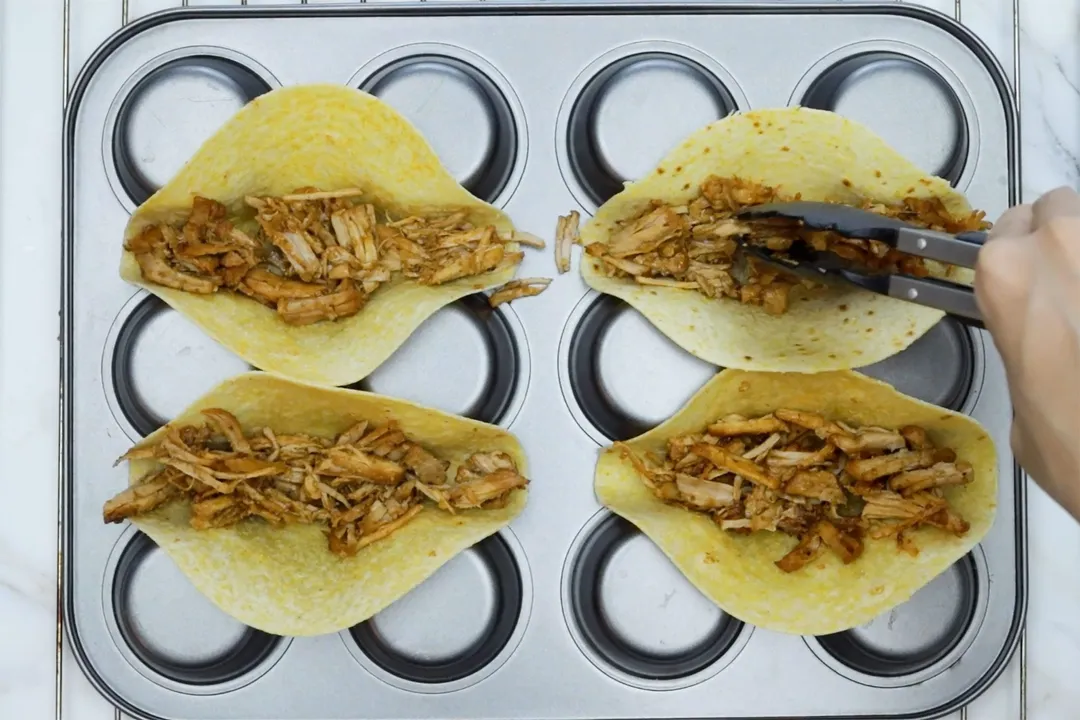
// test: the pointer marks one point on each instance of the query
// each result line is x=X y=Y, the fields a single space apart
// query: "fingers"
x=1003 y=279
x=1014 y=221
x=1059 y=203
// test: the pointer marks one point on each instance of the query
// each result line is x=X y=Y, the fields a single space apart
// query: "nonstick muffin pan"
x=539 y=109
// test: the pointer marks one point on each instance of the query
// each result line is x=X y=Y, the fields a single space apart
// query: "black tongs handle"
x=961 y=250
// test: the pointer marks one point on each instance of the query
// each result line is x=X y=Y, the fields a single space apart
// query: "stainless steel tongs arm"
x=961 y=250
x=956 y=300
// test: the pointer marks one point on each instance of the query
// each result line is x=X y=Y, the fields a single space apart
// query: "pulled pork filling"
x=826 y=483
x=364 y=485
x=696 y=246
x=315 y=256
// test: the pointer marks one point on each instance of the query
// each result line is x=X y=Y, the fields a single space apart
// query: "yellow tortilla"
x=737 y=571
x=822 y=156
x=286 y=581
x=331 y=137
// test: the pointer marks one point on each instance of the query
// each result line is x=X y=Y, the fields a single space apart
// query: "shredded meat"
x=363 y=485
x=523 y=287
x=696 y=246
x=566 y=234
x=824 y=482
x=318 y=256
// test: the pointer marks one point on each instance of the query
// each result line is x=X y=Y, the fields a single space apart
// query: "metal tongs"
x=961 y=250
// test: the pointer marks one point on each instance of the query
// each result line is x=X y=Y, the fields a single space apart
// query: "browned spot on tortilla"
x=843 y=308
x=659 y=171
x=877 y=589
x=744 y=386
x=846 y=182
x=785 y=148
x=747 y=358
x=877 y=173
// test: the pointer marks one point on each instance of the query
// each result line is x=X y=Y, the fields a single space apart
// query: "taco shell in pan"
x=329 y=137
x=285 y=581
x=737 y=571
x=818 y=155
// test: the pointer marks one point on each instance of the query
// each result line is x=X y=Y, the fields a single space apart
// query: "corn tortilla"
x=821 y=156
x=737 y=571
x=330 y=137
x=286 y=581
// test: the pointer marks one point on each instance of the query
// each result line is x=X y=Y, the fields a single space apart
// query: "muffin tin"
x=570 y=612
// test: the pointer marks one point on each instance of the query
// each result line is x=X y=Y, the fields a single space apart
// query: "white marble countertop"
x=1042 y=679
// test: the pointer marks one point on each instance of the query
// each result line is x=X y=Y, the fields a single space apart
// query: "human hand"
x=1027 y=285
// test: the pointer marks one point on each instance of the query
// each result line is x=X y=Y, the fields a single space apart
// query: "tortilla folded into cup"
x=295 y=236
x=302 y=510
x=847 y=568
x=667 y=242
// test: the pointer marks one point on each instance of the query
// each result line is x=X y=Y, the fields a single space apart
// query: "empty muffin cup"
x=454 y=629
x=461 y=110
x=657 y=634
x=915 y=640
x=902 y=99
x=466 y=359
x=176 y=632
x=629 y=113
x=621 y=376
x=157 y=362
x=942 y=367
x=170 y=110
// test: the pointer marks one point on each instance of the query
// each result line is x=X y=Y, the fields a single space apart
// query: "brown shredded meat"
x=826 y=483
x=522 y=287
x=363 y=485
x=316 y=256
x=566 y=234
x=696 y=246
